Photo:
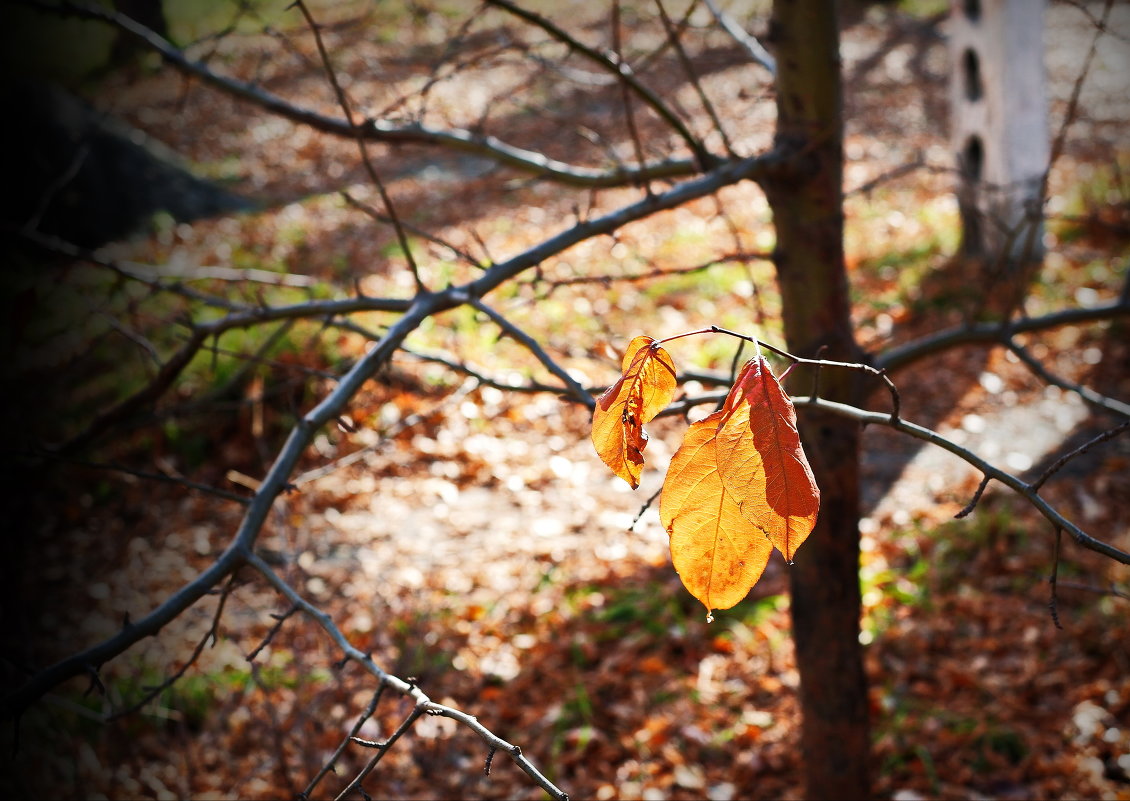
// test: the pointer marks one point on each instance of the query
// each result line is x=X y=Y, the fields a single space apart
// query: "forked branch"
x=423 y=704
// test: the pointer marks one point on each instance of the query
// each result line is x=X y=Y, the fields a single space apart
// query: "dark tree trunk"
x=807 y=204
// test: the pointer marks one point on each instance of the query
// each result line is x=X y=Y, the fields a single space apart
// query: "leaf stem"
x=710 y=330
x=818 y=363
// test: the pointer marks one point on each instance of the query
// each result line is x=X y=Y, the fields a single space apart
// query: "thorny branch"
x=351 y=737
x=211 y=635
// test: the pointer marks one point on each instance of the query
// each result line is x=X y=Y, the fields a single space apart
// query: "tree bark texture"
x=807 y=204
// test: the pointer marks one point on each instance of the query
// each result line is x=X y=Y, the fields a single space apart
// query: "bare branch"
x=416 y=231
x=336 y=755
x=1018 y=485
x=692 y=76
x=217 y=273
x=149 y=476
x=423 y=704
x=276 y=480
x=346 y=108
x=1073 y=101
x=626 y=95
x=1086 y=446
x=744 y=257
x=574 y=389
x=481 y=378
x=969 y=507
x=382 y=748
x=275 y=629
x=622 y=71
x=1086 y=393
x=754 y=48
x=818 y=363
x=383 y=131
x=88 y=661
x=1112 y=590
x=211 y=634
x=900 y=356
x=1053 y=602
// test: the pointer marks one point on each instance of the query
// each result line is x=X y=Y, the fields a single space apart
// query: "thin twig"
x=896 y=402
x=1086 y=393
x=377 y=130
x=211 y=634
x=369 y=711
x=1016 y=484
x=346 y=107
x=423 y=704
x=1053 y=603
x=54 y=187
x=625 y=93
x=692 y=76
x=1112 y=590
x=145 y=474
x=969 y=507
x=382 y=748
x=270 y=635
x=754 y=48
x=415 y=230
x=743 y=257
x=1061 y=461
x=646 y=505
x=901 y=356
x=620 y=69
x=572 y=387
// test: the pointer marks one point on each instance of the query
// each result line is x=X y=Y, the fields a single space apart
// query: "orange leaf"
x=761 y=462
x=646 y=386
x=718 y=554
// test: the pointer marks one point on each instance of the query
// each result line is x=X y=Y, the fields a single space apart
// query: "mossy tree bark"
x=807 y=204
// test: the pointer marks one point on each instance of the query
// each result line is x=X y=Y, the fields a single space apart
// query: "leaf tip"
x=709 y=617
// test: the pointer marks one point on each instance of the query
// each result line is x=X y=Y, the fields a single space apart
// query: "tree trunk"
x=807 y=204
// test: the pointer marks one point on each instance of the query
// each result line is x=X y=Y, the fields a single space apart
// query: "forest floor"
x=471 y=539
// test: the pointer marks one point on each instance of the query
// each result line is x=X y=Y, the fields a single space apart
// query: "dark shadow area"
x=75 y=174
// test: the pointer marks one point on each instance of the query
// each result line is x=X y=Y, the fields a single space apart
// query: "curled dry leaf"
x=717 y=552
x=646 y=386
x=761 y=462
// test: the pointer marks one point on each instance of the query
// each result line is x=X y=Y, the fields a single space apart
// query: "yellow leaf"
x=646 y=386
x=761 y=462
x=718 y=554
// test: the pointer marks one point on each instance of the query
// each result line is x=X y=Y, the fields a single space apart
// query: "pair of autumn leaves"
x=738 y=486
